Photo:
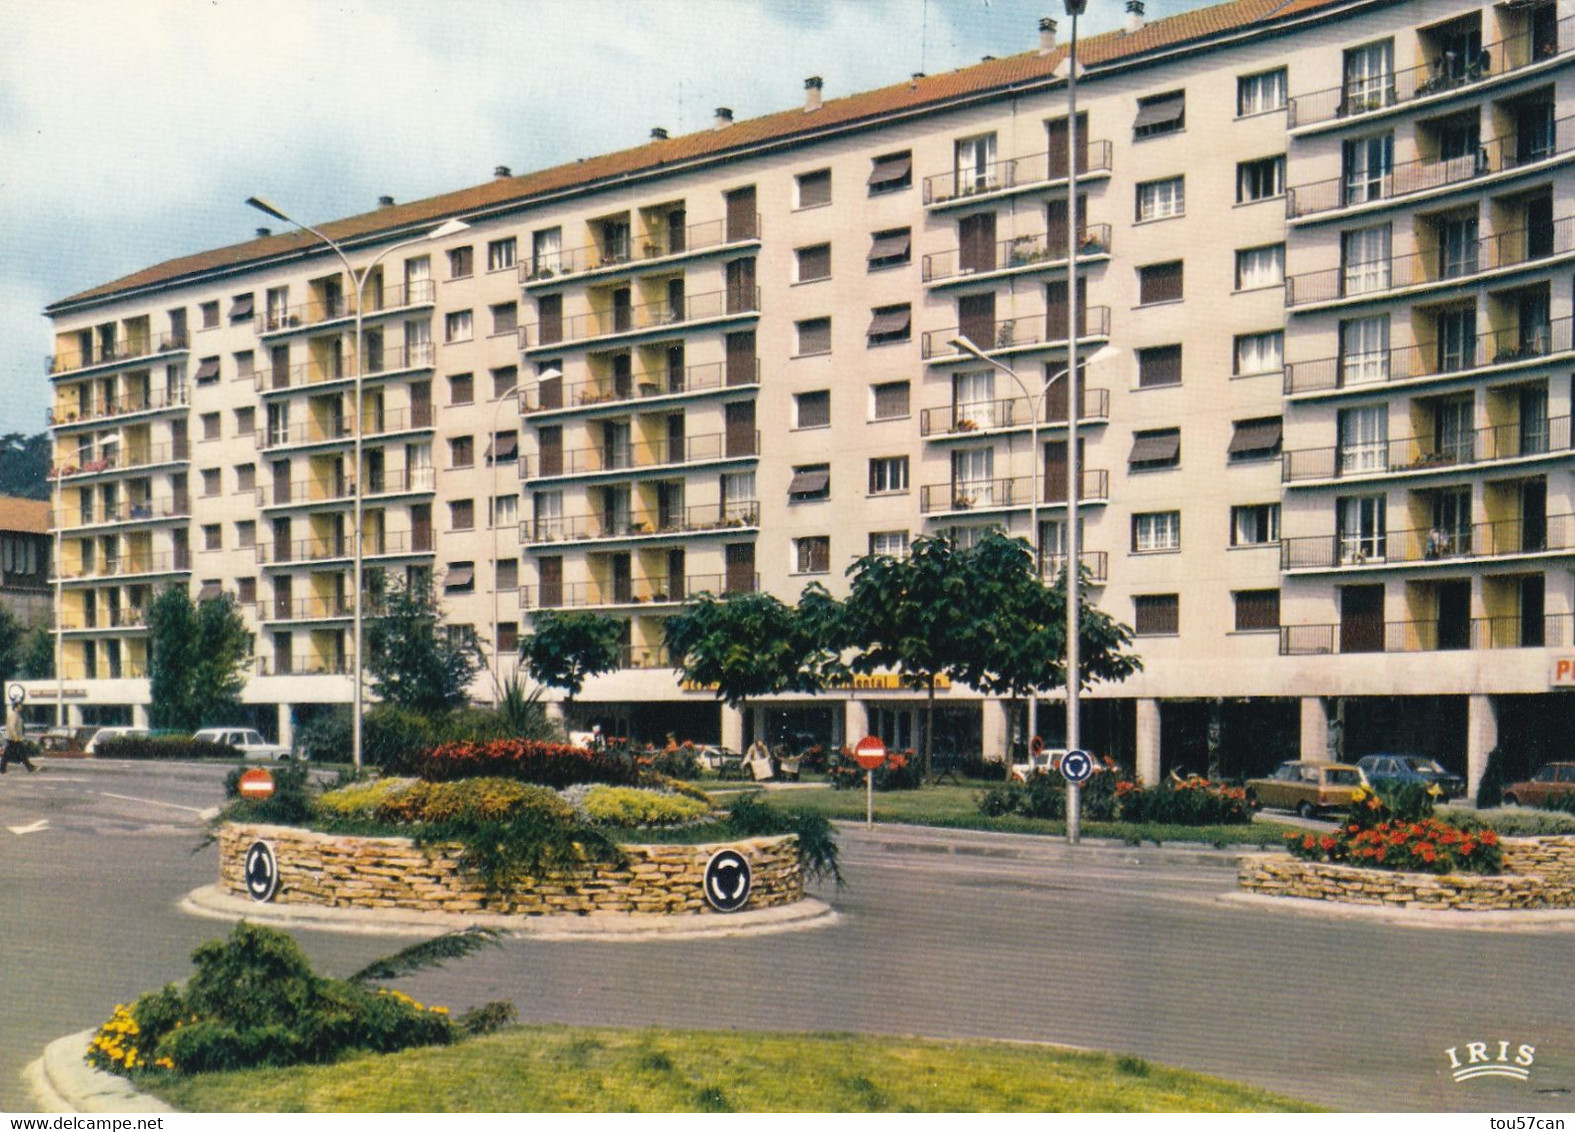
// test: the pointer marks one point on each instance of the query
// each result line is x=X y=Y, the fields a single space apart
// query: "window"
x=812 y=555
x=1363 y=523
x=461 y=452
x=738 y=487
x=1159 y=283
x=1161 y=114
x=973 y=478
x=1156 y=615
x=1256 y=524
x=975 y=164
x=1364 y=349
x=461 y=389
x=891 y=173
x=461 y=515
x=1257 y=611
x=245 y=478
x=210 y=481
x=893 y=544
x=505 y=447
x=1156 y=531
x=207 y=371
x=1260 y=267
x=461 y=262
x=241 y=307
x=246 y=590
x=246 y=533
x=814 y=189
x=1260 y=353
x=1159 y=200
x=460 y=578
x=890 y=324
x=812 y=410
x=212 y=536
x=209 y=313
x=891 y=248
x=814 y=336
x=1159 y=365
x=457 y=327
x=813 y=263
x=245 y=364
x=549 y=522
x=210 y=426
x=546 y=252
x=505 y=380
x=1364 y=260
x=1155 y=449
x=508 y=573
x=888 y=475
x=1260 y=93
x=1257 y=439
x=500 y=254
x=1368 y=163
x=1261 y=179
x=505 y=318
x=1369 y=77
x=810 y=483
x=890 y=400
x=1363 y=439
x=504 y=511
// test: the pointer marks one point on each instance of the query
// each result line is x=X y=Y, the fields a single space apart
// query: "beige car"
x=1308 y=787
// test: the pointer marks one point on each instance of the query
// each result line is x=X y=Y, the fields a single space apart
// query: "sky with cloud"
x=131 y=132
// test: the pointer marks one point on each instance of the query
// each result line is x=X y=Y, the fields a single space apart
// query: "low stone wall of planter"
x=1539 y=872
x=335 y=871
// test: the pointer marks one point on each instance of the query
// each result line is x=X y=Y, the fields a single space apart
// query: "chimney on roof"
x=1046 y=35
x=812 y=93
x=987 y=58
x=384 y=202
x=724 y=117
x=1134 y=16
x=261 y=232
x=502 y=171
x=658 y=134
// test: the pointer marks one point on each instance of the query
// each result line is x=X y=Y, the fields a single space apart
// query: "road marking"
x=151 y=802
x=37 y=827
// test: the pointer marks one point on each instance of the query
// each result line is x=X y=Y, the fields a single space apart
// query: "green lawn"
x=562 y=1069
x=954 y=807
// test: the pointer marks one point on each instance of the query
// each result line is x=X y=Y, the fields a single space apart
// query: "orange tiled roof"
x=994 y=74
x=18 y=514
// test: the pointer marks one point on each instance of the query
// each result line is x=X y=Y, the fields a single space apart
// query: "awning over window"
x=889 y=170
x=208 y=370
x=1155 y=448
x=894 y=246
x=242 y=307
x=1255 y=436
x=809 y=482
x=1164 y=111
x=890 y=322
x=211 y=591
x=460 y=576
x=505 y=447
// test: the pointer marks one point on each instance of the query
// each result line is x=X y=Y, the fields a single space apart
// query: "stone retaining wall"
x=330 y=870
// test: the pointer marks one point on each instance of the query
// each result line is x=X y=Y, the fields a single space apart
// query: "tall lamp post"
x=442 y=231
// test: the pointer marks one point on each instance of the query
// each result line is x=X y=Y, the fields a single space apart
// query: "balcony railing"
x=143 y=510
x=1448 y=72
x=641 y=318
x=1046 y=329
x=1048 y=250
x=129 y=565
x=118 y=461
x=327 y=309
x=694 y=238
x=392 y=359
x=1496 y=155
x=1016 y=491
x=1403 y=363
x=708 y=448
x=1506 y=249
x=689 y=520
x=545 y=398
x=306 y=609
x=1425 y=453
x=275 y=552
x=1506 y=538
x=303 y=666
x=86 y=619
x=1096 y=566
x=106 y=353
x=960 y=420
x=647 y=591
x=1014 y=173
x=104 y=670
x=1549 y=631
x=643 y=656
x=304 y=492
x=306 y=432
x=400 y=481
x=127 y=404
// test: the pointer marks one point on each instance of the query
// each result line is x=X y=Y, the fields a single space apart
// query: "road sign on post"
x=870 y=753
x=1077 y=767
x=256 y=784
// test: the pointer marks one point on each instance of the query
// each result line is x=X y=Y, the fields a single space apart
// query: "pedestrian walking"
x=15 y=749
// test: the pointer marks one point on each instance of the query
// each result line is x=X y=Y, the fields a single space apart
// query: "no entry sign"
x=870 y=752
x=256 y=784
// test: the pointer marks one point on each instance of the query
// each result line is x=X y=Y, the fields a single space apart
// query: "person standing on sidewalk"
x=15 y=749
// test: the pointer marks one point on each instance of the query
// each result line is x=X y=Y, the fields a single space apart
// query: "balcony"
x=131 y=565
x=303 y=666
x=154 y=401
x=649 y=591
x=115 y=353
x=710 y=448
x=636 y=657
x=305 y=493
x=694 y=240
x=115 y=462
x=1030 y=332
x=386 y=300
x=105 y=670
x=95 y=620
x=390 y=362
x=334 y=608
x=1439 y=78
x=1494 y=444
x=986 y=418
x=963 y=497
x=139 y=511
x=549 y=397
x=329 y=548
x=1550 y=631
x=1415 y=363
x=645 y=318
x=705 y=518
x=1013 y=175
x=1382 y=278
x=1096 y=567
x=1409 y=178
x=305 y=434
x=1019 y=255
x=1507 y=538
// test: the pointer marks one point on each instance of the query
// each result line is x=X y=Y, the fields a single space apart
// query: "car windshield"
x=1425 y=766
x=1343 y=777
x=1546 y=774
x=251 y=739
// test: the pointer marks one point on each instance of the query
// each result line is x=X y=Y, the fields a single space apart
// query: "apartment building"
x=24 y=559
x=1324 y=456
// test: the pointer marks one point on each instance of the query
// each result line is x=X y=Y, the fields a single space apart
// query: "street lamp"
x=442 y=231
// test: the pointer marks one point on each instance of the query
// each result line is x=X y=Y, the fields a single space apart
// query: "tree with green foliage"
x=413 y=660
x=13 y=645
x=24 y=465
x=37 y=655
x=566 y=649
x=196 y=654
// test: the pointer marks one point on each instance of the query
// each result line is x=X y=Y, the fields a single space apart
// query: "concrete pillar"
x=1481 y=738
x=992 y=730
x=757 y=724
x=73 y=715
x=732 y=728
x=1148 y=730
x=1315 y=733
x=855 y=721
x=139 y=715
x=287 y=725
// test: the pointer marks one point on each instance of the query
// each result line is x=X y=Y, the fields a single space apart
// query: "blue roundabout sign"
x=727 y=881
x=1077 y=767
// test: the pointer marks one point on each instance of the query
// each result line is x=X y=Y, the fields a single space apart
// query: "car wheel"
x=1511 y=800
x=1305 y=810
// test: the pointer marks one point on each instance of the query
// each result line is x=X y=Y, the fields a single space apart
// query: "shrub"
x=674 y=786
x=627 y=807
x=1044 y=796
x=998 y=801
x=528 y=843
x=1425 y=846
x=360 y=799
x=1490 y=791
x=900 y=771
x=471 y=800
x=1511 y=822
x=817 y=842
x=291 y=803
x=1407 y=801
x=676 y=762
x=1191 y=801
x=529 y=760
x=163 y=747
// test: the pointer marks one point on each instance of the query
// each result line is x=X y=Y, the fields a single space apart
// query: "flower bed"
x=530 y=760
x=1423 y=846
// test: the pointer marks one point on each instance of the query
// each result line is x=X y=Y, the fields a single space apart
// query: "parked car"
x=1411 y=768
x=1555 y=780
x=104 y=734
x=249 y=743
x=1039 y=762
x=66 y=741
x=1308 y=787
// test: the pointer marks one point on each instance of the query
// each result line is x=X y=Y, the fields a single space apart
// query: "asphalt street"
x=941 y=934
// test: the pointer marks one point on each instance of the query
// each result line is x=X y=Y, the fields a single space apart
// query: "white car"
x=105 y=734
x=249 y=743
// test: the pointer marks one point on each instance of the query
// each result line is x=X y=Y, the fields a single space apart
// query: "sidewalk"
x=61 y=1081
x=899 y=838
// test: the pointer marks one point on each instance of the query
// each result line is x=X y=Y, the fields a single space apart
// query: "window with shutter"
x=814 y=189
x=814 y=336
x=1159 y=365
x=814 y=263
x=891 y=400
x=1159 y=283
x=1156 y=615
x=1257 y=610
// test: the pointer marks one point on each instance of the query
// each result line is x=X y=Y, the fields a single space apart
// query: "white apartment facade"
x=1326 y=469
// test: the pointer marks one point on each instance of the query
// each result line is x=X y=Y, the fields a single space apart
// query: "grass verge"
x=568 y=1069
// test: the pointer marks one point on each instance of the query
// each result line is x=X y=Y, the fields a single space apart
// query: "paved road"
x=1118 y=950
